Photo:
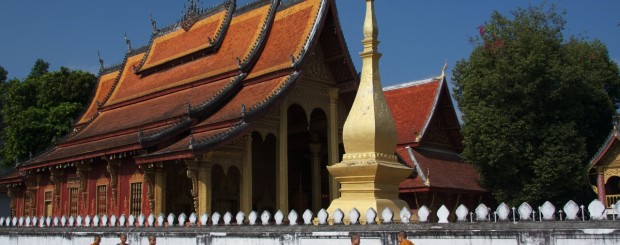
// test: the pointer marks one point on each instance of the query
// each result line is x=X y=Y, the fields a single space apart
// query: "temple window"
x=136 y=199
x=48 y=203
x=73 y=201
x=101 y=200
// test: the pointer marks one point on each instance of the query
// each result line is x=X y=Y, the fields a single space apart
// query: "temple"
x=235 y=108
x=605 y=170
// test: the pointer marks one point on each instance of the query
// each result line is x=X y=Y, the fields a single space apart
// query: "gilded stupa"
x=369 y=174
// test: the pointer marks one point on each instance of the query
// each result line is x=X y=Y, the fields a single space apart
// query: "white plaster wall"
x=338 y=241
x=587 y=242
x=460 y=241
x=136 y=239
x=244 y=241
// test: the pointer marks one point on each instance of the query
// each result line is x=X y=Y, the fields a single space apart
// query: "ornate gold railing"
x=612 y=199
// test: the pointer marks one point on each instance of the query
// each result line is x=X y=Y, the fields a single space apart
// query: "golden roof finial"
x=428 y=177
x=443 y=69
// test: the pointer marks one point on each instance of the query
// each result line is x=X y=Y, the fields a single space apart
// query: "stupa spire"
x=370 y=126
x=369 y=173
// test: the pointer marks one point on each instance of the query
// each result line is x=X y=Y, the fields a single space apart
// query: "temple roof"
x=445 y=171
x=426 y=121
x=199 y=84
x=608 y=152
x=418 y=106
x=11 y=177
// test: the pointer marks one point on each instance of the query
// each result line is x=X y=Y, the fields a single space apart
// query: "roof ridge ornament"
x=443 y=69
x=190 y=14
x=128 y=42
x=100 y=61
x=154 y=25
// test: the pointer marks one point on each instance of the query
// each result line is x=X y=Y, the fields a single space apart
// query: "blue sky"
x=417 y=37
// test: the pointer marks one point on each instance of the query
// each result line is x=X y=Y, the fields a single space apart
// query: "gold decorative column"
x=204 y=183
x=159 y=191
x=113 y=168
x=149 y=180
x=369 y=173
x=199 y=173
x=56 y=179
x=332 y=142
x=82 y=171
x=282 y=164
x=209 y=189
x=193 y=174
x=246 y=182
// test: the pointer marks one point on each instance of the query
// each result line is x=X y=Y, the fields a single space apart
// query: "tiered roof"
x=426 y=122
x=202 y=82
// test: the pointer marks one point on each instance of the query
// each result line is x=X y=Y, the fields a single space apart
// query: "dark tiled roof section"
x=411 y=106
x=101 y=147
x=181 y=146
x=445 y=170
x=151 y=111
x=12 y=177
x=249 y=96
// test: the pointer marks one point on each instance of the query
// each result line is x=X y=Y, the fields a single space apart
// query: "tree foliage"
x=536 y=106
x=3 y=87
x=40 y=109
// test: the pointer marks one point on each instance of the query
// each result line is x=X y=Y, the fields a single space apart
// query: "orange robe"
x=406 y=242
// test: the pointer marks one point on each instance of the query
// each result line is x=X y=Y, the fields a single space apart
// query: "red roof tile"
x=103 y=88
x=150 y=111
x=444 y=170
x=180 y=42
x=411 y=106
x=293 y=24
x=239 y=42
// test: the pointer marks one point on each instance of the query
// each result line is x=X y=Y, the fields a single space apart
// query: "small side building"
x=430 y=140
x=605 y=170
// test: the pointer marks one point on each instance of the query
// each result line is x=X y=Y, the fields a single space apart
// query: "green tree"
x=3 y=75
x=40 y=110
x=39 y=69
x=536 y=106
x=3 y=88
